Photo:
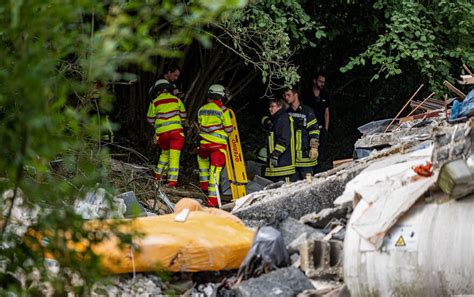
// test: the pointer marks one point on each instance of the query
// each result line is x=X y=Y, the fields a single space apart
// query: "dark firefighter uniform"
x=306 y=128
x=280 y=147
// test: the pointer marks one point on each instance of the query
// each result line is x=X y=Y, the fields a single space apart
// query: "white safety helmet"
x=163 y=84
x=262 y=155
x=216 y=91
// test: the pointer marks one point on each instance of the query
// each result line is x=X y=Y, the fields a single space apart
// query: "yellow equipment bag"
x=203 y=242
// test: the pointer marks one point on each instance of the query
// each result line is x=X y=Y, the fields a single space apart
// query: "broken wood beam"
x=337 y=163
x=431 y=114
x=418 y=106
x=454 y=89
x=403 y=108
x=466 y=80
x=415 y=109
x=182 y=193
x=467 y=69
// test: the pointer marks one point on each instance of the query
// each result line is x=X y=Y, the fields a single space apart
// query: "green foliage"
x=53 y=56
x=435 y=35
x=266 y=34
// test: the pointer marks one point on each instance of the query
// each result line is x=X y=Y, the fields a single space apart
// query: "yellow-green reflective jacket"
x=214 y=122
x=166 y=113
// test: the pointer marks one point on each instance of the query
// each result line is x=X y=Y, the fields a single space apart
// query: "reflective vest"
x=281 y=142
x=306 y=127
x=214 y=122
x=166 y=113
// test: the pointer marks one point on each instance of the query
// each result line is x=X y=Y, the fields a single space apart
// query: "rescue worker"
x=166 y=113
x=306 y=134
x=280 y=143
x=214 y=126
x=171 y=74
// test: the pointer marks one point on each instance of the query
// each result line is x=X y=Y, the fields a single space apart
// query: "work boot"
x=158 y=177
x=212 y=202
x=172 y=184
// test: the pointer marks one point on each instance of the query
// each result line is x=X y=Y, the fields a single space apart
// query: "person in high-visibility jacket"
x=167 y=114
x=214 y=126
x=306 y=134
x=280 y=143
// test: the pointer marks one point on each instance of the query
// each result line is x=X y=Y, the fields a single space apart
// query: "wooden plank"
x=467 y=69
x=454 y=89
x=426 y=115
x=336 y=163
x=406 y=104
x=467 y=80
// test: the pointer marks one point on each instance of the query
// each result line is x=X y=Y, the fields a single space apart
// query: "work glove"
x=267 y=123
x=274 y=160
x=313 y=153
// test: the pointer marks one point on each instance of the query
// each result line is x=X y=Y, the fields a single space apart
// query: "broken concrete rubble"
x=325 y=288
x=301 y=198
x=296 y=199
x=396 y=137
x=140 y=285
x=322 y=218
x=453 y=142
x=282 y=282
x=292 y=229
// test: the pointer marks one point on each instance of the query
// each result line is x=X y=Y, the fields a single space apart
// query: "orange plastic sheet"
x=203 y=242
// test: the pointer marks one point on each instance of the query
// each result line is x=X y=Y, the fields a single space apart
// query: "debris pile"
x=375 y=225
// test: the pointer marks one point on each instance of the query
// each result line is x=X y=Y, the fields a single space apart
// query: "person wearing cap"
x=280 y=143
x=167 y=113
x=214 y=126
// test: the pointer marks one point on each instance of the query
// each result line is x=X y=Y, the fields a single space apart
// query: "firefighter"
x=280 y=143
x=306 y=134
x=166 y=113
x=214 y=126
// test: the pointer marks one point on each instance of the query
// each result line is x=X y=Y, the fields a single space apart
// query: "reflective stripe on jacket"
x=214 y=122
x=280 y=142
x=306 y=127
x=166 y=113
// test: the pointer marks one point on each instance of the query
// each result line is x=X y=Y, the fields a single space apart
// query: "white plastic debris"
x=96 y=205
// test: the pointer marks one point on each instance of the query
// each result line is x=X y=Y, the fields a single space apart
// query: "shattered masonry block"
x=452 y=142
x=322 y=259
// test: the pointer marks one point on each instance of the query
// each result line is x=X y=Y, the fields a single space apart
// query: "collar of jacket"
x=278 y=113
x=299 y=108
x=217 y=102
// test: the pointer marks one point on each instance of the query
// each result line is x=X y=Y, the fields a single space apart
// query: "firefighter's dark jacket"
x=306 y=127
x=280 y=143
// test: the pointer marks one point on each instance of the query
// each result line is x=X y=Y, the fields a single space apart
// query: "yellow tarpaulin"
x=203 y=242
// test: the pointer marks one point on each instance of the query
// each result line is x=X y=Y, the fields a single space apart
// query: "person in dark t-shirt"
x=318 y=98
